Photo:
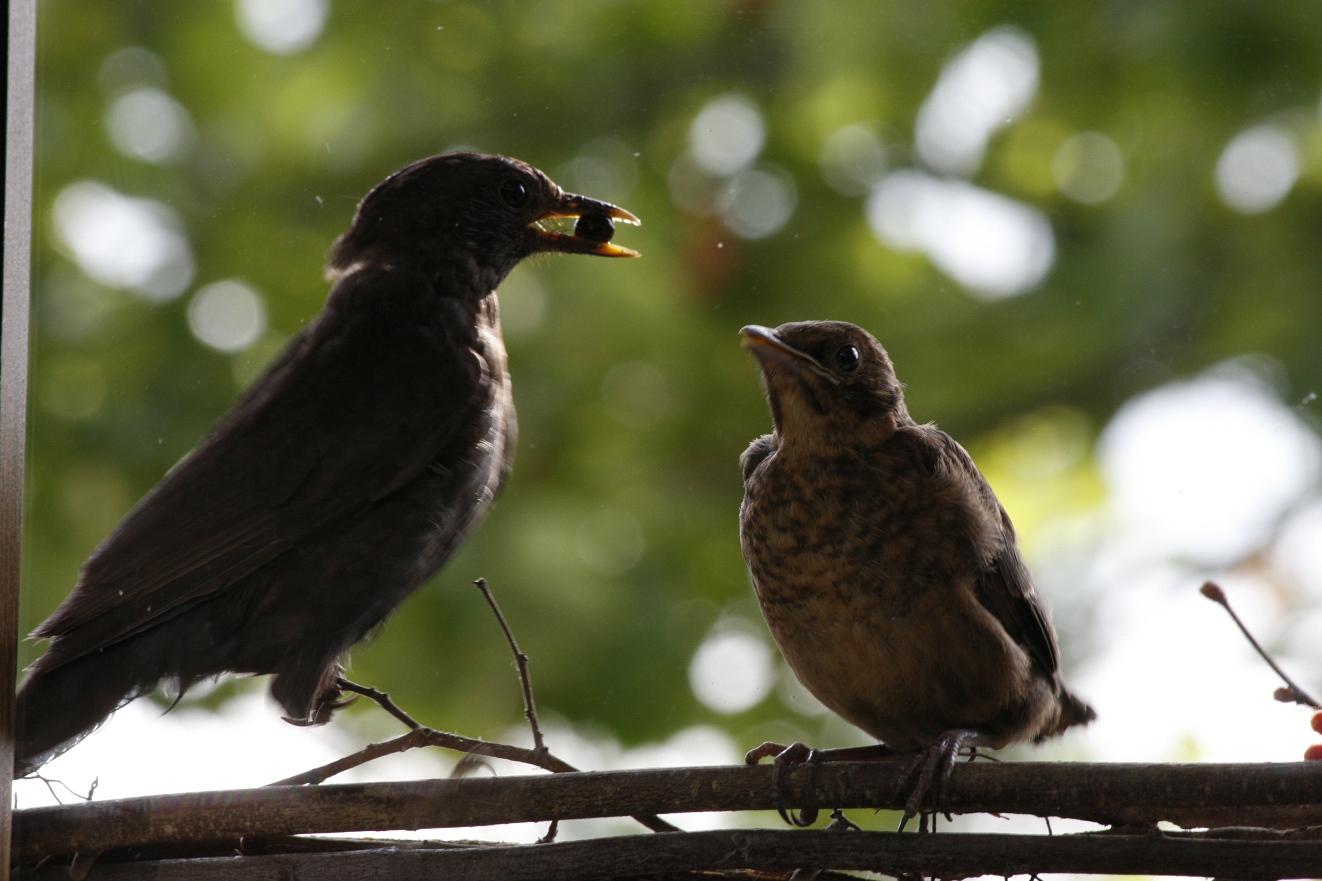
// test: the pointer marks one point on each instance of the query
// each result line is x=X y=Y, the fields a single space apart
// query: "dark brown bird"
x=885 y=567
x=338 y=483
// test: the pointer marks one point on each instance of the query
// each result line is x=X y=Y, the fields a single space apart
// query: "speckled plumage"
x=885 y=567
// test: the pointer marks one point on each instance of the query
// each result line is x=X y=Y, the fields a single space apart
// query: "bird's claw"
x=766 y=750
x=330 y=697
x=794 y=754
x=471 y=763
x=933 y=765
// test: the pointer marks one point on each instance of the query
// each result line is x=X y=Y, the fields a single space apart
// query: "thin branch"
x=423 y=737
x=1292 y=693
x=521 y=663
x=652 y=856
x=1276 y=795
x=656 y=824
x=525 y=682
x=382 y=699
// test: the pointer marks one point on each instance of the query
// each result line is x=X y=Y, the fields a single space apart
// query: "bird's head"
x=825 y=379
x=473 y=206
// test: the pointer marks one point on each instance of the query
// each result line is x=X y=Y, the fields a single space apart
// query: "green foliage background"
x=1157 y=282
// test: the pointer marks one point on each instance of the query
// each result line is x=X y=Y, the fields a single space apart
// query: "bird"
x=339 y=482
x=886 y=569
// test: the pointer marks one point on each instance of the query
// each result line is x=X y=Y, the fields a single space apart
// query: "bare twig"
x=1291 y=693
x=382 y=699
x=656 y=824
x=521 y=662
x=525 y=682
x=420 y=737
x=50 y=785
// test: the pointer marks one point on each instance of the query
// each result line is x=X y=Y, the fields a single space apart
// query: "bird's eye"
x=514 y=193
x=846 y=358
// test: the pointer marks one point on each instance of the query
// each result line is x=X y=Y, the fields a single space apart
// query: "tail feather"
x=59 y=707
x=1073 y=711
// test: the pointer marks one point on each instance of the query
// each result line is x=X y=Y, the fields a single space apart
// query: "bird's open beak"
x=763 y=343
x=571 y=205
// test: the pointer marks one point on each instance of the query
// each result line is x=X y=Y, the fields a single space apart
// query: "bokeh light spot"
x=604 y=169
x=727 y=135
x=992 y=245
x=1204 y=469
x=731 y=671
x=282 y=27
x=1257 y=169
x=227 y=315
x=1088 y=167
x=148 y=124
x=758 y=202
x=124 y=242
x=1298 y=550
x=129 y=68
x=979 y=90
x=795 y=696
x=852 y=160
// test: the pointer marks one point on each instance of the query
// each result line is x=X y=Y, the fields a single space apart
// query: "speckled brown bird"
x=885 y=566
x=339 y=482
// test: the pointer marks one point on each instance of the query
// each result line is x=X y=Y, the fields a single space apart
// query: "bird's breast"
x=869 y=605
x=826 y=526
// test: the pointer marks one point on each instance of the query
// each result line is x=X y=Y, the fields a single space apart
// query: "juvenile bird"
x=338 y=483
x=885 y=566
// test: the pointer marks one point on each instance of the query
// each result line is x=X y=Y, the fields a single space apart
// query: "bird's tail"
x=59 y=707
x=1073 y=711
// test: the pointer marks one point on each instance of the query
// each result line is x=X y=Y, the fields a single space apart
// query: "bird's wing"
x=359 y=404
x=756 y=454
x=1004 y=586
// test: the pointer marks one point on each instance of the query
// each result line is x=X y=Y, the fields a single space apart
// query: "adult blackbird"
x=885 y=567
x=338 y=483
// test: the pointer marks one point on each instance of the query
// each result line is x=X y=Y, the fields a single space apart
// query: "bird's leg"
x=872 y=753
x=933 y=766
x=797 y=753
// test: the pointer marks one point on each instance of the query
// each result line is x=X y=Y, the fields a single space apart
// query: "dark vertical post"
x=22 y=50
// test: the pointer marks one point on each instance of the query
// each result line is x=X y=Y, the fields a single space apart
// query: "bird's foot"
x=766 y=750
x=797 y=753
x=794 y=754
x=932 y=766
x=330 y=697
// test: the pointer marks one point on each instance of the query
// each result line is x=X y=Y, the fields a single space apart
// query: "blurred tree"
x=786 y=158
